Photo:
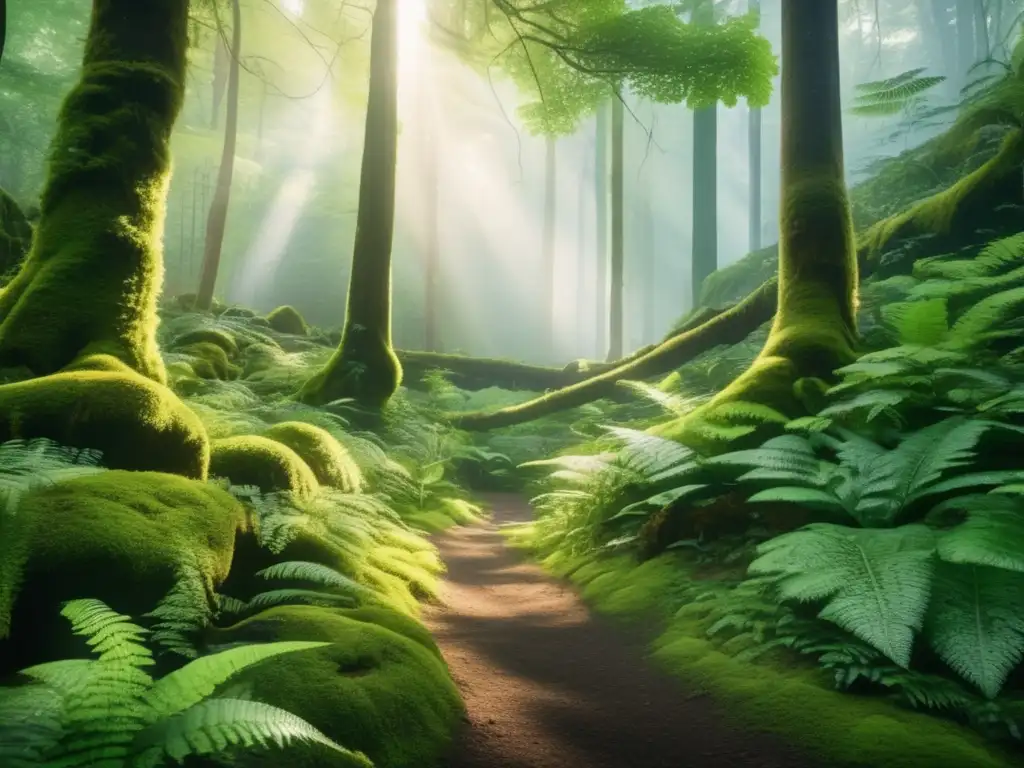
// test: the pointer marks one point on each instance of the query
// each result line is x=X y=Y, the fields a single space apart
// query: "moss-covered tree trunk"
x=814 y=330
x=217 y=218
x=365 y=367
x=91 y=280
x=615 y=306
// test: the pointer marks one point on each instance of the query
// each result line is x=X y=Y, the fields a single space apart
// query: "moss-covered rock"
x=287 y=319
x=262 y=462
x=373 y=689
x=330 y=460
x=120 y=537
x=100 y=403
x=210 y=361
x=215 y=336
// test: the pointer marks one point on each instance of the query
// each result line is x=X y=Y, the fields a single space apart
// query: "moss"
x=373 y=690
x=287 y=319
x=210 y=361
x=364 y=368
x=795 y=703
x=15 y=235
x=262 y=462
x=399 y=623
x=91 y=280
x=101 y=404
x=330 y=460
x=216 y=336
x=116 y=536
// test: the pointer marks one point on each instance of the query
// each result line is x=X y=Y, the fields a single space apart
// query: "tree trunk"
x=814 y=331
x=754 y=161
x=91 y=281
x=431 y=214
x=981 y=38
x=581 y=261
x=966 y=56
x=365 y=367
x=217 y=219
x=548 y=243
x=601 y=247
x=648 y=293
x=615 y=307
x=704 y=245
x=221 y=74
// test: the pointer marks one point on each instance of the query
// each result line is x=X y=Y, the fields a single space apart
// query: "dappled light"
x=511 y=384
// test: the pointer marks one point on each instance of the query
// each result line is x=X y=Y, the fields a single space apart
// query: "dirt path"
x=548 y=685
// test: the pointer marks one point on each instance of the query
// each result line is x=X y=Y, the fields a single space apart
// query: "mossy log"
x=729 y=327
x=90 y=283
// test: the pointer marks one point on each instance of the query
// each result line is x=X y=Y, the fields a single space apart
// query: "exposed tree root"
x=728 y=327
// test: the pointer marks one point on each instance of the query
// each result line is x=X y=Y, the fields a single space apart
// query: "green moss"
x=116 y=536
x=91 y=280
x=15 y=235
x=287 y=319
x=794 y=703
x=216 y=336
x=364 y=368
x=101 y=404
x=373 y=690
x=399 y=623
x=262 y=462
x=210 y=361
x=330 y=460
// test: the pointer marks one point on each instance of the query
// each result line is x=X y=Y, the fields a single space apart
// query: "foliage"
x=109 y=712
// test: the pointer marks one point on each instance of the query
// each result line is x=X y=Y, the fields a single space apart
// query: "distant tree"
x=364 y=367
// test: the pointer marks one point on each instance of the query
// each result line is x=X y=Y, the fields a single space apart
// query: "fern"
x=109 y=713
x=894 y=95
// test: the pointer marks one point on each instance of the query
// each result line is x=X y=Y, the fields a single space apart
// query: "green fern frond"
x=188 y=686
x=976 y=623
x=923 y=323
x=316 y=573
x=674 y=403
x=875 y=583
x=183 y=613
x=210 y=727
x=987 y=314
x=991 y=535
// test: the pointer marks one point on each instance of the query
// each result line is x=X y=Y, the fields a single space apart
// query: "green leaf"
x=875 y=583
x=976 y=623
x=992 y=535
x=186 y=687
x=812 y=497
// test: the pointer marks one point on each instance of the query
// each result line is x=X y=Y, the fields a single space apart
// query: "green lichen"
x=101 y=404
x=90 y=283
x=330 y=460
x=287 y=319
x=93 y=535
x=261 y=462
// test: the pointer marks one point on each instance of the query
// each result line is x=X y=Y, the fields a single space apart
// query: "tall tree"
x=91 y=280
x=431 y=215
x=704 y=244
x=618 y=186
x=754 y=161
x=548 y=242
x=217 y=217
x=601 y=225
x=365 y=367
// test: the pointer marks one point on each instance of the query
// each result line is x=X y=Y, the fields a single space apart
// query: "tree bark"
x=548 y=243
x=601 y=221
x=221 y=74
x=704 y=243
x=615 y=307
x=217 y=219
x=754 y=162
x=365 y=367
x=91 y=280
x=431 y=214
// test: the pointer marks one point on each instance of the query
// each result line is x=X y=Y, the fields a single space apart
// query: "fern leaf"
x=875 y=583
x=198 y=679
x=976 y=623
x=659 y=500
x=992 y=535
x=209 y=727
x=811 y=497
x=316 y=573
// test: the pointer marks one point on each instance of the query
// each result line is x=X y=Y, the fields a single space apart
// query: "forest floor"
x=547 y=684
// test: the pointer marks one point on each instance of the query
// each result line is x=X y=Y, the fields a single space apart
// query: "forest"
x=511 y=383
